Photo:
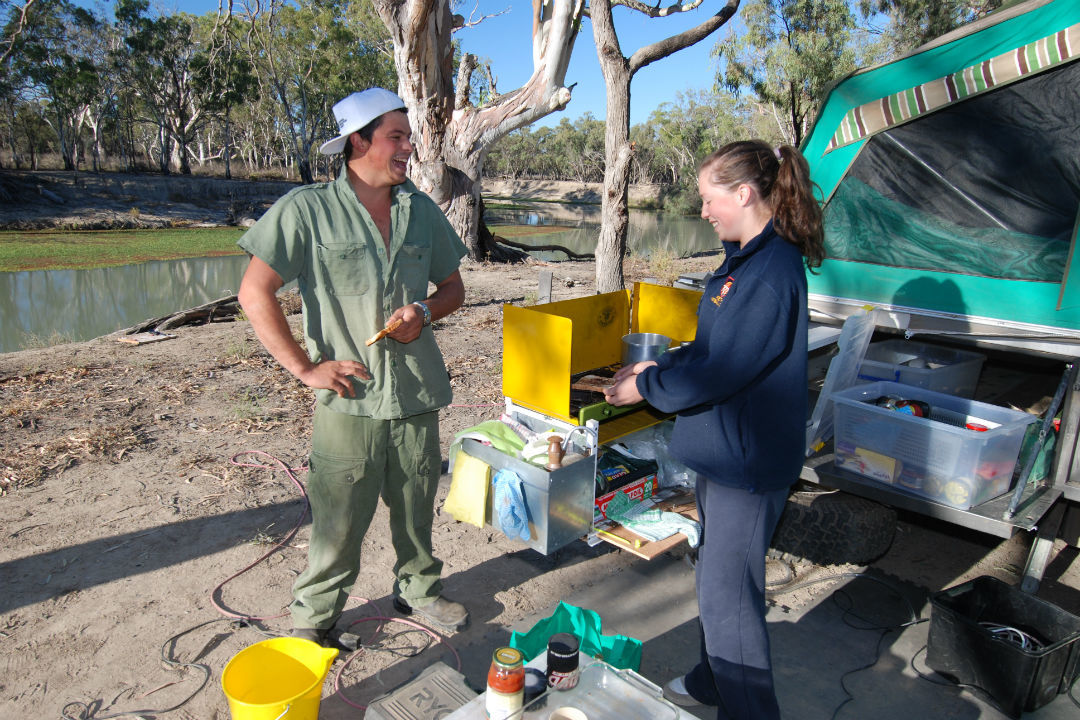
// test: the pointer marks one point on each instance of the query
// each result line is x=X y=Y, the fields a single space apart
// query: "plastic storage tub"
x=937 y=368
x=939 y=457
x=969 y=639
x=604 y=692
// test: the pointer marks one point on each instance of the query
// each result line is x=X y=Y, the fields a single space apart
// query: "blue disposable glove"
x=508 y=505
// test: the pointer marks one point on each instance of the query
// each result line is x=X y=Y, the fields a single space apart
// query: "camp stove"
x=558 y=357
x=587 y=394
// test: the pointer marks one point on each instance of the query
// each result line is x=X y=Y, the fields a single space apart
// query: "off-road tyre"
x=833 y=528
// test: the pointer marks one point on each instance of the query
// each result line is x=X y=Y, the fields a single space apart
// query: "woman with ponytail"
x=739 y=391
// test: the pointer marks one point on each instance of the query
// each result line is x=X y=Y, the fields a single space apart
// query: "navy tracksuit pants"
x=735 y=670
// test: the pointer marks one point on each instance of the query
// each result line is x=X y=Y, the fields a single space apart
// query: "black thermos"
x=562 y=661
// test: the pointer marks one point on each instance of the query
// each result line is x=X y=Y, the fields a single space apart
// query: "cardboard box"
x=637 y=490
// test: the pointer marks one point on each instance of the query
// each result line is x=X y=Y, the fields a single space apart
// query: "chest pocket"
x=345 y=268
x=413 y=263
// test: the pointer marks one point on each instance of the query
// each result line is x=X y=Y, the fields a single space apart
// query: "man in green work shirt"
x=363 y=250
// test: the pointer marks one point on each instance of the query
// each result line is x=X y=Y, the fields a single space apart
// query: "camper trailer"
x=951 y=180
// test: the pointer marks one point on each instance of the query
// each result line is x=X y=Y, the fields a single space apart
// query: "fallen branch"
x=549 y=248
x=226 y=308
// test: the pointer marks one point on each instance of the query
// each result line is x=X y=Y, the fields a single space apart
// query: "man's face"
x=386 y=157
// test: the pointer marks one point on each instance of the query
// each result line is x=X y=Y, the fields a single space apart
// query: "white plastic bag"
x=842 y=374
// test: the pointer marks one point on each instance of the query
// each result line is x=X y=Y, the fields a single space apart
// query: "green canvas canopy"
x=952 y=182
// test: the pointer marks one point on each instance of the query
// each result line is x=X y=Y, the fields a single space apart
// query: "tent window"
x=985 y=187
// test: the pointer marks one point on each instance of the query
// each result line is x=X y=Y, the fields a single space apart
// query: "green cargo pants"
x=355 y=460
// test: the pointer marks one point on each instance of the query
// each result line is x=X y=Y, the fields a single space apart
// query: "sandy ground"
x=150 y=495
x=136 y=480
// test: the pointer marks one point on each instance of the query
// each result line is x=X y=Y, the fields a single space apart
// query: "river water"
x=648 y=231
x=50 y=306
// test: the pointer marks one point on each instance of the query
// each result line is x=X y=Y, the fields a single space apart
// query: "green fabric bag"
x=616 y=650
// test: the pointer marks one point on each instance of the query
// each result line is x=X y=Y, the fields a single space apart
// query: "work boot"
x=315 y=635
x=345 y=642
x=445 y=614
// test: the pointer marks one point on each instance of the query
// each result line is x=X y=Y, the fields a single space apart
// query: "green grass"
x=85 y=249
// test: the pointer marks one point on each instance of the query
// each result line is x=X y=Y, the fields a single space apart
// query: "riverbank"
x=96 y=201
x=640 y=196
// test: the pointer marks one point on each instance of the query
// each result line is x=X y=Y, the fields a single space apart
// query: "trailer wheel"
x=833 y=528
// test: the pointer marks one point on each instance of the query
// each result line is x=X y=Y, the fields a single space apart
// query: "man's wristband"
x=427 y=312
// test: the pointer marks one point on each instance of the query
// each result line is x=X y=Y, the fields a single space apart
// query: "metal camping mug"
x=639 y=347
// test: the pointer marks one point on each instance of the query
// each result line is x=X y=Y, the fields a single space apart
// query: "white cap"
x=356 y=111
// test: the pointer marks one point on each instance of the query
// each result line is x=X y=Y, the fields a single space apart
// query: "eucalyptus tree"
x=618 y=71
x=100 y=44
x=38 y=135
x=12 y=24
x=789 y=54
x=46 y=67
x=645 y=168
x=224 y=77
x=309 y=54
x=515 y=155
x=15 y=18
x=546 y=162
x=692 y=127
x=911 y=23
x=452 y=135
x=160 y=55
x=579 y=147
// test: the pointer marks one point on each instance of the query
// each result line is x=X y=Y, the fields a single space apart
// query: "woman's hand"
x=624 y=391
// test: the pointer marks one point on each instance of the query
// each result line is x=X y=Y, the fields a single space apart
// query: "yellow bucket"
x=277 y=678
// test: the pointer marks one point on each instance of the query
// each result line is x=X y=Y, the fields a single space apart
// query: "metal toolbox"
x=559 y=503
x=547 y=347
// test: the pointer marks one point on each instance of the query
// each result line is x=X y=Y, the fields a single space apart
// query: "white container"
x=943 y=461
x=934 y=367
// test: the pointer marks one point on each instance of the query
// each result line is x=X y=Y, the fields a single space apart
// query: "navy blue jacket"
x=740 y=389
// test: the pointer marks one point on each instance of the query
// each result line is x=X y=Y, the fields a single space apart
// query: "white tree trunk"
x=614 y=210
x=451 y=142
x=618 y=71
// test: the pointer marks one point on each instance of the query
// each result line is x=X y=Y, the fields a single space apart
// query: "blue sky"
x=506 y=40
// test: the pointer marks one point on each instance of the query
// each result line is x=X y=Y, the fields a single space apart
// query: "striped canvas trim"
x=886 y=112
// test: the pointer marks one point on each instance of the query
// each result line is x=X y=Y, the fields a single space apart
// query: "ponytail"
x=782 y=178
x=796 y=212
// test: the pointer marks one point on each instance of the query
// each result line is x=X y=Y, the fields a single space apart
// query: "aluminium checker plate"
x=435 y=693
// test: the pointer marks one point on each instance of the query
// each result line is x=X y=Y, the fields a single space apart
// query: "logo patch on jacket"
x=717 y=299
